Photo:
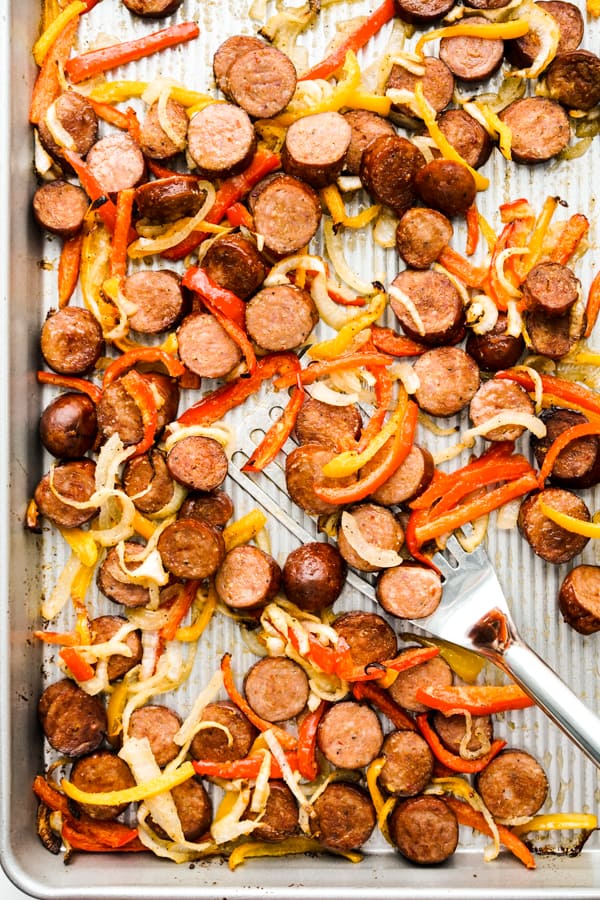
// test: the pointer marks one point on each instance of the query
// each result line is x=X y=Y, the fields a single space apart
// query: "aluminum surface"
x=29 y=564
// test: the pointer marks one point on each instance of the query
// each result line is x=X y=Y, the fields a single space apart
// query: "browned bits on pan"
x=314 y=575
x=579 y=599
x=494 y=397
x=409 y=591
x=539 y=127
x=448 y=379
x=424 y=829
x=276 y=688
x=221 y=140
x=550 y=541
x=247 y=578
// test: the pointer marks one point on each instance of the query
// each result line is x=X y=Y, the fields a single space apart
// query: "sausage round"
x=315 y=148
x=215 y=507
x=512 y=785
x=60 y=207
x=247 y=578
x=221 y=140
x=303 y=467
x=345 y=816
x=433 y=672
x=472 y=58
x=522 y=51
x=408 y=763
x=74 y=480
x=234 y=263
x=103 y=628
x=280 y=818
x=409 y=591
x=118 y=412
x=191 y=548
x=198 y=462
x=438 y=305
x=333 y=426
x=410 y=478
x=205 y=347
x=281 y=317
x=146 y=479
x=495 y=349
x=262 y=81
x=114 y=583
x=551 y=288
x=578 y=464
x=437 y=83
x=446 y=185
x=102 y=771
x=71 y=340
x=552 y=336
x=73 y=722
x=314 y=575
x=422 y=11
x=194 y=808
x=573 y=79
x=158 y=297
x=276 y=688
x=539 y=127
x=68 y=426
x=579 y=599
x=76 y=115
x=387 y=170
x=448 y=380
x=159 y=724
x=287 y=213
x=365 y=127
x=379 y=526
x=166 y=392
x=424 y=829
x=116 y=162
x=152 y=9
x=421 y=235
x=452 y=730
x=368 y=635
x=228 y=52
x=550 y=541
x=154 y=140
x=494 y=397
x=349 y=735
x=212 y=744
x=169 y=199
x=468 y=136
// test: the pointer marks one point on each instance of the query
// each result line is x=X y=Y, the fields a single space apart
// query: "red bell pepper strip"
x=307 y=742
x=319 y=369
x=566 y=391
x=47 y=86
x=118 y=258
x=492 y=284
x=140 y=391
x=228 y=303
x=160 y=171
x=329 y=659
x=68 y=268
x=472 y=219
x=355 y=41
x=142 y=355
x=287 y=740
x=99 y=837
x=570 y=238
x=71 y=383
x=380 y=698
x=468 y=816
x=559 y=444
x=338 y=297
x=236 y=332
x=110 y=114
x=95 y=62
x=416 y=520
x=77 y=665
x=478 y=699
x=352 y=673
x=181 y=605
x=50 y=796
x=246 y=768
x=472 y=276
x=103 y=205
x=593 y=305
x=452 y=760
x=227 y=397
x=277 y=434
x=480 y=478
x=388 y=341
x=237 y=215
x=499 y=451
x=232 y=190
x=384 y=390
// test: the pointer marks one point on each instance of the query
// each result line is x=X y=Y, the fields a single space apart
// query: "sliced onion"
x=165 y=122
x=207 y=695
x=484 y=741
x=432 y=426
x=349 y=183
x=335 y=250
x=232 y=825
x=411 y=62
x=460 y=287
x=61 y=592
x=409 y=306
x=138 y=755
x=261 y=792
x=451 y=452
x=288 y=776
x=405 y=372
x=220 y=432
x=322 y=392
x=508 y=417
x=176 y=851
x=508 y=515
x=482 y=314
x=514 y=319
x=150 y=571
x=538 y=386
x=333 y=314
x=371 y=553
x=99 y=683
x=405 y=98
x=506 y=285
x=145 y=246
x=173 y=505
x=44 y=164
x=60 y=135
x=384 y=231
x=546 y=28
x=426 y=145
x=280 y=271
x=471 y=541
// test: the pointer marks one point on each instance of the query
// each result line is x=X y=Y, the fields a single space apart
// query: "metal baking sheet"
x=29 y=564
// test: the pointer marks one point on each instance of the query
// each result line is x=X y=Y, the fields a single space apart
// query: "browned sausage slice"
x=73 y=480
x=408 y=763
x=433 y=672
x=494 y=397
x=409 y=591
x=410 y=478
x=262 y=81
x=579 y=599
x=276 y=688
x=438 y=305
x=487 y=4
x=495 y=349
x=76 y=115
x=166 y=392
x=215 y=507
x=424 y=829
x=368 y=635
x=280 y=819
x=550 y=541
x=228 y=52
x=102 y=771
x=212 y=743
x=522 y=51
x=247 y=578
x=152 y=9
x=234 y=263
x=158 y=297
x=117 y=412
x=578 y=464
x=472 y=58
x=154 y=140
x=315 y=148
x=452 y=730
x=159 y=724
x=366 y=126
x=114 y=583
x=169 y=199
x=74 y=722
x=422 y=10
x=71 y=340
x=437 y=84
x=148 y=482
x=314 y=576
x=448 y=378
x=468 y=136
x=221 y=139
x=205 y=347
x=116 y=162
x=539 y=127
x=573 y=79
x=287 y=213
x=513 y=785
x=345 y=816
x=333 y=426
x=551 y=288
x=60 y=207
x=421 y=235
x=68 y=426
x=379 y=527
x=387 y=170
x=446 y=185
x=350 y=735
x=103 y=629
x=194 y=808
x=191 y=548
x=303 y=470
x=281 y=317
x=552 y=336
x=198 y=462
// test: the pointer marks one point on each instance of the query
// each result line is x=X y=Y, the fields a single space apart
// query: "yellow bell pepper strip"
x=333 y=348
x=95 y=62
x=466 y=664
x=143 y=526
x=71 y=383
x=119 y=91
x=355 y=41
x=565 y=392
x=287 y=740
x=189 y=633
x=128 y=360
x=593 y=8
x=559 y=444
x=557 y=822
x=307 y=742
x=540 y=230
x=244 y=530
x=47 y=85
x=379 y=802
x=333 y=200
x=372 y=102
x=427 y=113
x=246 y=768
x=570 y=238
x=478 y=699
x=166 y=781
x=277 y=434
x=336 y=99
x=179 y=609
x=592 y=306
x=319 y=369
x=287 y=847
x=79 y=668
x=505 y=31
x=377 y=696
x=82 y=544
x=570 y=523
x=68 y=268
x=453 y=761
x=114 y=710
x=50 y=34
x=466 y=815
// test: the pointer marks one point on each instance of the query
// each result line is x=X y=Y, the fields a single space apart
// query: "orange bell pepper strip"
x=228 y=303
x=99 y=837
x=593 y=306
x=140 y=391
x=472 y=276
x=237 y=215
x=65 y=638
x=110 y=114
x=77 y=665
x=472 y=220
x=559 y=444
x=102 y=204
x=417 y=519
x=179 y=608
x=277 y=434
x=48 y=86
x=386 y=340
x=570 y=238
x=94 y=62
x=128 y=360
x=287 y=740
x=53 y=799
x=118 y=257
x=468 y=816
x=325 y=367
x=68 y=268
x=71 y=383
x=453 y=761
x=355 y=41
x=384 y=388
x=307 y=742
x=246 y=768
x=377 y=696
x=477 y=699
x=567 y=392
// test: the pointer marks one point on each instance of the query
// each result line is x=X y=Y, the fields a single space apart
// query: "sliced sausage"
x=487 y=4
x=446 y=185
x=159 y=724
x=205 y=347
x=315 y=148
x=147 y=480
x=448 y=380
x=303 y=467
x=410 y=478
x=154 y=140
x=409 y=591
x=116 y=162
x=387 y=170
x=221 y=140
x=408 y=763
x=522 y=51
x=422 y=11
x=198 y=462
x=234 y=263
x=280 y=818
x=191 y=548
x=68 y=426
x=287 y=213
x=169 y=199
x=333 y=426
x=194 y=808
x=512 y=785
x=281 y=317
x=262 y=81
x=578 y=464
x=366 y=126
x=379 y=527
x=73 y=480
x=344 y=816
x=212 y=743
x=550 y=541
x=117 y=412
x=102 y=771
x=228 y=52
x=350 y=735
x=579 y=599
x=166 y=393
x=551 y=288
x=60 y=207
x=73 y=722
x=114 y=582
x=314 y=575
x=424 y=829
x=573 y=79
x=438 y=305
x=452 y=731
x=539 y=128
x=152 y=9
x=472 y=58
x=495 y=349
x=435 y=672
x=71 y=340
x=76 y=115
x=494 y=397
x=215 y=507
x=552 y=336
x=103 y=628
x=437 y=83
x=158 y=297
x=421 y=235
x=468 y=136
x=247 y=578
x=276 y=688
x=368 y=635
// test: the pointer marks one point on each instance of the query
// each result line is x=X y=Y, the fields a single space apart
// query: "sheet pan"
x=28 y=564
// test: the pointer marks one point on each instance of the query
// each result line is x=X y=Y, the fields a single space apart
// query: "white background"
x=7 y=889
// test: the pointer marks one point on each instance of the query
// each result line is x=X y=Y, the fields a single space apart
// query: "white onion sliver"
x=398 y=295
x=335 y=250
x=138 y=755
x=384 y=231
x=506 y=285
x=482 y=314
x=280 y=271
x=322 y=392
x=514 y=319
x=206 y=696
x=508 y=417
x=405 y=372
x=371 y=553
x=145 y=246
x=508 y=515
x=538 y=386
